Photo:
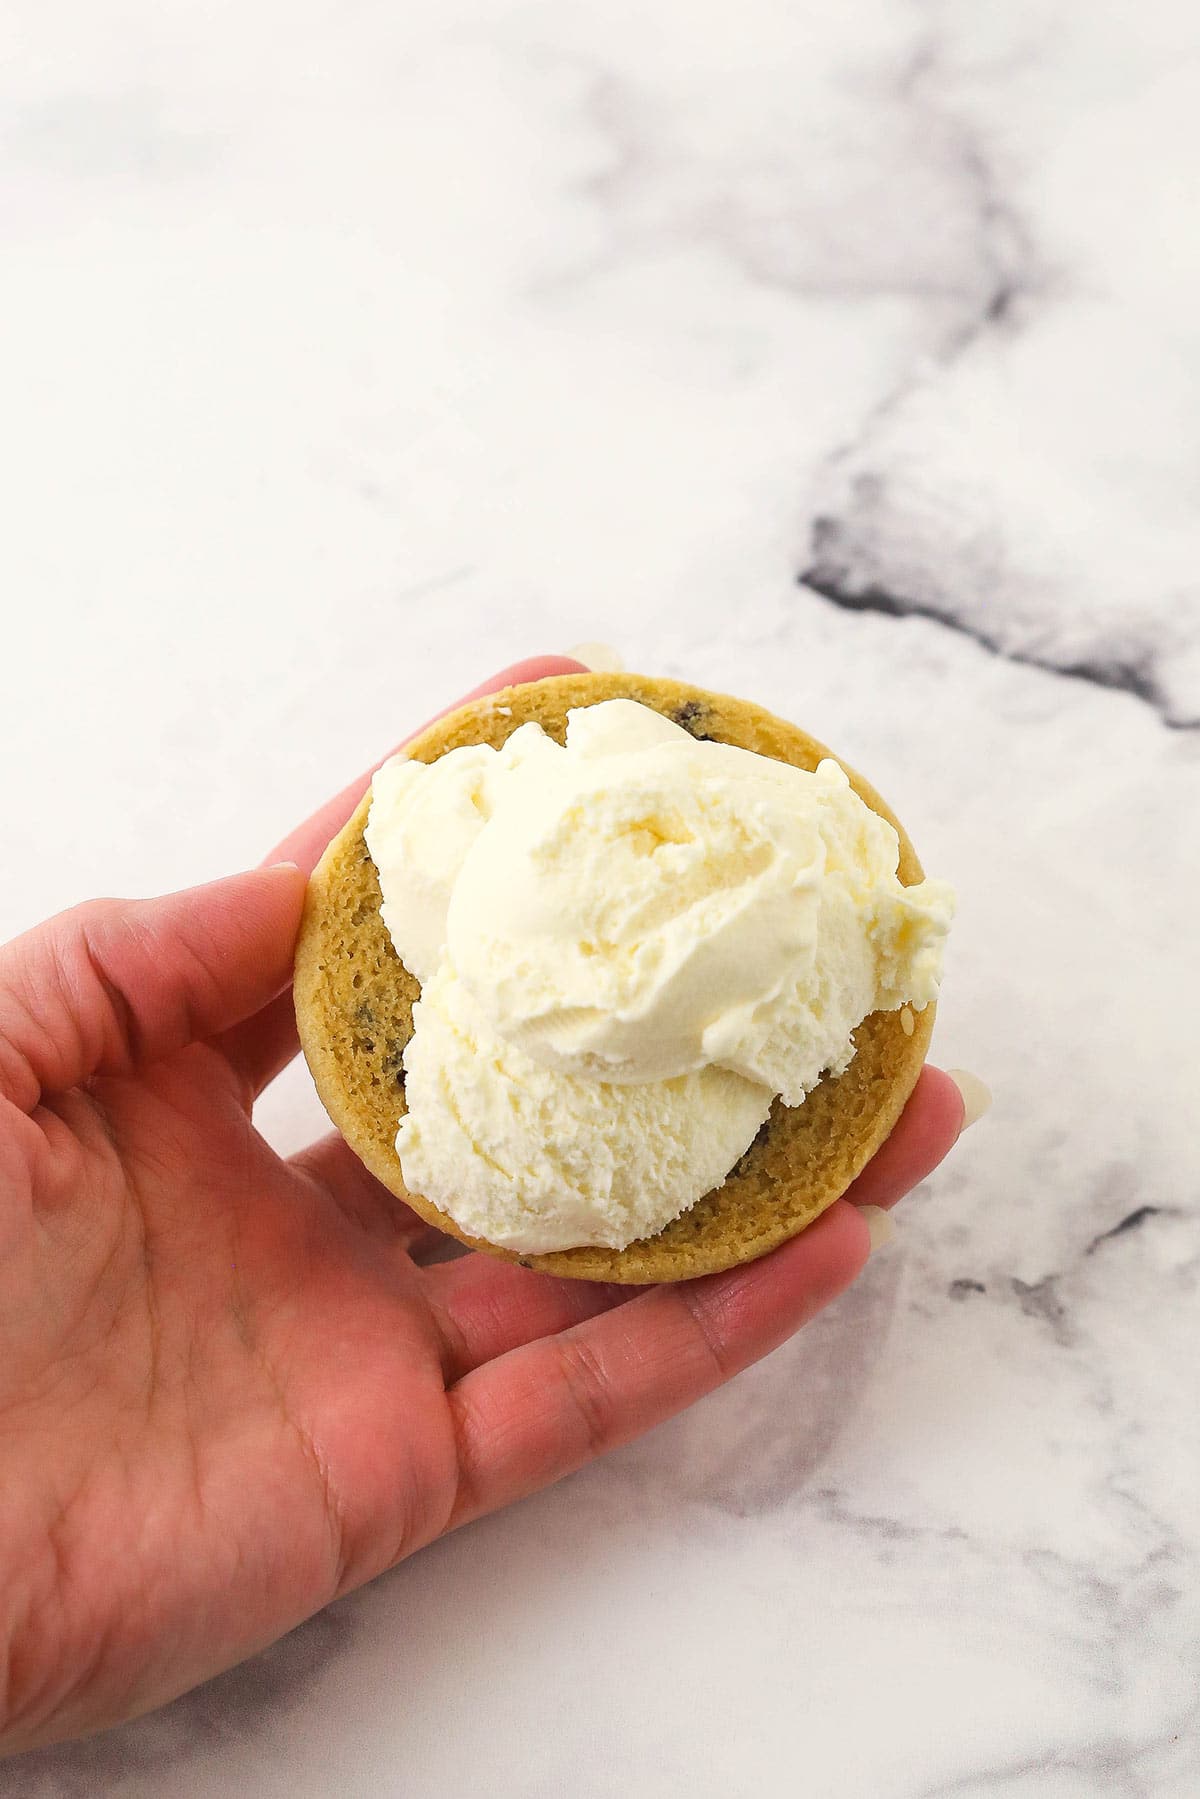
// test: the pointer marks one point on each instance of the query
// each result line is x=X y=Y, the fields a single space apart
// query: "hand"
x=229 y=1391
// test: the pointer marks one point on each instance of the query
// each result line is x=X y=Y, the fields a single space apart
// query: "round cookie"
x=354 y=1000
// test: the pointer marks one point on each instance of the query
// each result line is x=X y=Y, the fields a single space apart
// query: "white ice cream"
x=627 y=948
x=535 y=1160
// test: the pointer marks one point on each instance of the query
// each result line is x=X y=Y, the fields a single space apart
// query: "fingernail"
x=600 y=658
x=292 y=865
x=976 y=1097
x=880 y=1224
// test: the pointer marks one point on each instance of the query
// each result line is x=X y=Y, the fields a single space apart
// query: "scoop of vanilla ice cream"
x=648 y=905
x=424 y=817
x=534 y=1161
x=627 y=947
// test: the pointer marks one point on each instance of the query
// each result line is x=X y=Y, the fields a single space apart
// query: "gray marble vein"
x=833 y=575
x=993 y=487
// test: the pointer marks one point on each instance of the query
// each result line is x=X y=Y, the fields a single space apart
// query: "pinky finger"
x=925 y=1132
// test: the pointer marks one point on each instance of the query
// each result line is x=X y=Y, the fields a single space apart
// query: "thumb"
x=113 y=984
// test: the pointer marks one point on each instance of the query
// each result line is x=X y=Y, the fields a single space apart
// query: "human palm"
x=231 y=1386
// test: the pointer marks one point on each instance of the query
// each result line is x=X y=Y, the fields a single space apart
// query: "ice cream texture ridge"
x=628 y=947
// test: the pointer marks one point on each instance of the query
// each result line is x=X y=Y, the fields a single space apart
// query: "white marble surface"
x=350 y=348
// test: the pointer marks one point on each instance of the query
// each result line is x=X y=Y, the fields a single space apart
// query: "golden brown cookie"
x=354 y=1001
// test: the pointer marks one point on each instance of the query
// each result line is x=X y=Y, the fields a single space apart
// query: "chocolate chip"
x=691 y=715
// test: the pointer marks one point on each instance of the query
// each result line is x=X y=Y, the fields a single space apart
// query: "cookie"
x=354 y=1000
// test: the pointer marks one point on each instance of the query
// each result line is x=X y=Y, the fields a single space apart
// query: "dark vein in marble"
x=1009 y=272
x=1041 y=1301
x=1133 y=1221
x=1012 y=277
x=1007 y=260
x=830 y=578
x=834 y=1506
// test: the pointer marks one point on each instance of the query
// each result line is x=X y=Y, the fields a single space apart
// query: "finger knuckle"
x=708 y=1337
x=589 y=1390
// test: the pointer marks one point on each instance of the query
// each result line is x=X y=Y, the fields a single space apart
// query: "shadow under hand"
x=224 y=1711
x=752 y=1445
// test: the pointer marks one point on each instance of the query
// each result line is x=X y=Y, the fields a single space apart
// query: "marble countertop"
x=844 y=357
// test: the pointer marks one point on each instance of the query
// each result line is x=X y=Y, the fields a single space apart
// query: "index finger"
x=307 y=842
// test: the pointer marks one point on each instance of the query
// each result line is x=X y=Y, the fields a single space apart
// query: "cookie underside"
x=354 y=1001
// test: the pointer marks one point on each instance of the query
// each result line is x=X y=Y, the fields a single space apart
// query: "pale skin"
x=229 y=1389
